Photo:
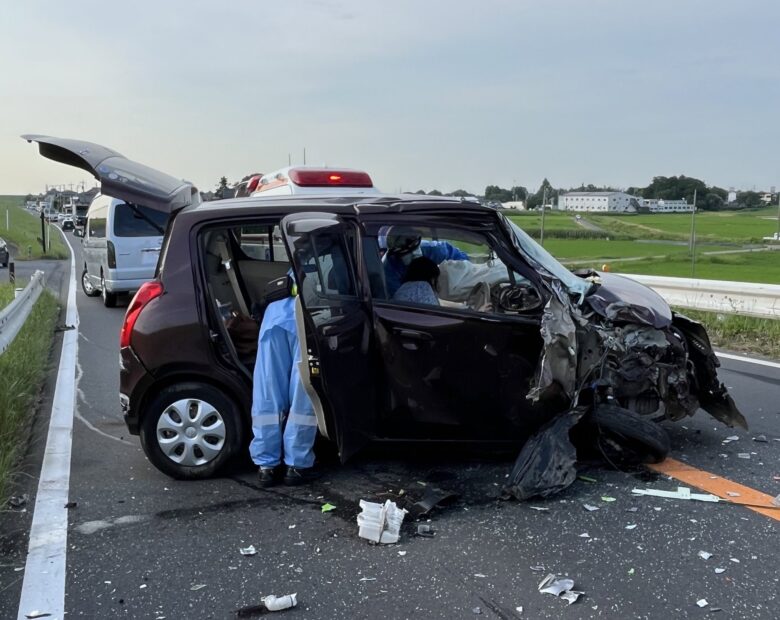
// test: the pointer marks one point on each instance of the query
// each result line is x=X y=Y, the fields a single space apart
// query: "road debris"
x=380 y=523
x=539 y=508
x=743 y=455
x=367 y=579
x=590 y=507
x=680 y=493
x=18 y=501
x=584 y=535
x=250 y=550
x=37 y=614
x=586 y=478
x=402 y=553
x=197 y=587
x=631 y=526
x=631 y=571
x=731 y=438
x=607 y=498
x=719 y=570
x=425 y=530
x=327 y=507
x=761 y=439
x=560 y=587
x=704 y=555
x=432 y=498
x=278 y=603
x=702 y=602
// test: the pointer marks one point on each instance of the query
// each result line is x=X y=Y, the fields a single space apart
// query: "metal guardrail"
x=760 y=300
x=13 y=316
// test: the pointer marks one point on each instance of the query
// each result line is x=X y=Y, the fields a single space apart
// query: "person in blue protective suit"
x=283 y=421
x=402 y=248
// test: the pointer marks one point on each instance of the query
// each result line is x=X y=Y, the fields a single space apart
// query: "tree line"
x=708 y=198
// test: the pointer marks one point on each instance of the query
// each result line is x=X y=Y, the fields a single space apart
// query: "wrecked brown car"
x=515 y=347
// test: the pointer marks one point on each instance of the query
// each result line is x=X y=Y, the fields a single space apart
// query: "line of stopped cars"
x=519 y=349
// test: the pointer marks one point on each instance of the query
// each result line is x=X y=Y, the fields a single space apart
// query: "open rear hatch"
x=120 y=177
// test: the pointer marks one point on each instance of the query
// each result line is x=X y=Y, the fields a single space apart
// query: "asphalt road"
x=141 y=545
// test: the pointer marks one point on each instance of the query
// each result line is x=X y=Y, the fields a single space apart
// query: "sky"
x=420 y=94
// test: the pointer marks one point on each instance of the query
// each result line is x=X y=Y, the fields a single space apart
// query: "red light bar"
x=322 y=177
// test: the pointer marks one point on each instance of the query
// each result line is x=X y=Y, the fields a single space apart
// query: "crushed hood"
x=622 y=299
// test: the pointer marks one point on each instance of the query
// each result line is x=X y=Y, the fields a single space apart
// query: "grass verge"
x=22 y=369
x=24 y=232
x=6 y=295
x=739 y=333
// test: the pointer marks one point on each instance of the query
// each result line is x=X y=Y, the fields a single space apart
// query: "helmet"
x=402 y=242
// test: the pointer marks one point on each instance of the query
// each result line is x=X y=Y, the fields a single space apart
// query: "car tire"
x=109 y=299
x=625 y=437
x=191 y=430
x=87 y=286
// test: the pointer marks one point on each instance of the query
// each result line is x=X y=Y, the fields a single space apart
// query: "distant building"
x=517 y=205
x=654 y=205
x=599 y=202
x=732 y=195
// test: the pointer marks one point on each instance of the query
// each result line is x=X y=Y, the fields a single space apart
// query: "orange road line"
x=749 y=498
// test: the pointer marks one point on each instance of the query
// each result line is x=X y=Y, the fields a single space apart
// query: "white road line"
x=44 y=573
x=749 y=360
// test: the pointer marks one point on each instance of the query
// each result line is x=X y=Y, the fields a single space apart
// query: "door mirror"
x=78 y=232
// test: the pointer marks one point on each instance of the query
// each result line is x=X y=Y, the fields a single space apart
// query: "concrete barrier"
x=760 y=300
x=13 y=316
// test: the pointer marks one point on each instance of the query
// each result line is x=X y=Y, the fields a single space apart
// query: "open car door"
x=322 y=250
x=120 y=177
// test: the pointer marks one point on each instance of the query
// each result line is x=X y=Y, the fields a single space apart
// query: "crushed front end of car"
x=625 y=361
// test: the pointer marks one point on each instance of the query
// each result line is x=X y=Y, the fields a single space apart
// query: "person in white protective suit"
x=283 y=420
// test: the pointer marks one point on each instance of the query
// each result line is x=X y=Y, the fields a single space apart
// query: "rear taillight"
x=145 y=294
x=111 y=252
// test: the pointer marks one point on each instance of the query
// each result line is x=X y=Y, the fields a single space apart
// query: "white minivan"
x=121 y=246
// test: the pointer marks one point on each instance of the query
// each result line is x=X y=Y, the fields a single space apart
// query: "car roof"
x=376 y=203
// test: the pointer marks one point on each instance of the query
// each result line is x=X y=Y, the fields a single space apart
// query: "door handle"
x=413 y=334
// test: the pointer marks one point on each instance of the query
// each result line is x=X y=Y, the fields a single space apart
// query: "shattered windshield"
x=531 y=249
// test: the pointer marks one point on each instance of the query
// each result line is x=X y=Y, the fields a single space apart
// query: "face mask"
x=410 y=256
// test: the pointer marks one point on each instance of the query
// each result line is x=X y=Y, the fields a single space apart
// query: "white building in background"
x=666 y=206
x=600 y=202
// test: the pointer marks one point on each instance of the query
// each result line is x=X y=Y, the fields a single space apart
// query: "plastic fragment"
x=250 y=550
x=539 y=508
x=586 y=478
x=537 y=569
x=630 y=571
x=632 y=509
x=560 y=587
x=519 y=609
x=368 y=579
x=17 y=501
x=761 y=439
x=327 y=507
x=680 y=493
x=732 y=493
x=584 y=535
x=704 y=555
x=731 y=438
x=719 y=570
x=476 y=611
x=37 y=614
x=380 y=523
x=702 y=602
x=607 y=498
x=631 y=526
x=735 y=560
x=743 y=455
x=425 y=530
x=197 y=587
x=402 y=553
x=480 y=575
x=277 y=603
x=590 y=507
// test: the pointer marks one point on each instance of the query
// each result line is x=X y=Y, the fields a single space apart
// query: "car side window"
x=263 y=243
x=97 y=227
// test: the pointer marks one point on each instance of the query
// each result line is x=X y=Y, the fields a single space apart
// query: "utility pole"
x=304 y=156
x=693 y=237
x=544 y=202
x=777 y=236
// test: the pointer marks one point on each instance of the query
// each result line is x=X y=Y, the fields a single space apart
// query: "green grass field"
x=745 y=267
x=25 y=231
x=22 y=369
x=726 y=226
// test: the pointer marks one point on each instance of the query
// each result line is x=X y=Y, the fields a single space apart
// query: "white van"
x=121 y=246
x=312 y=181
